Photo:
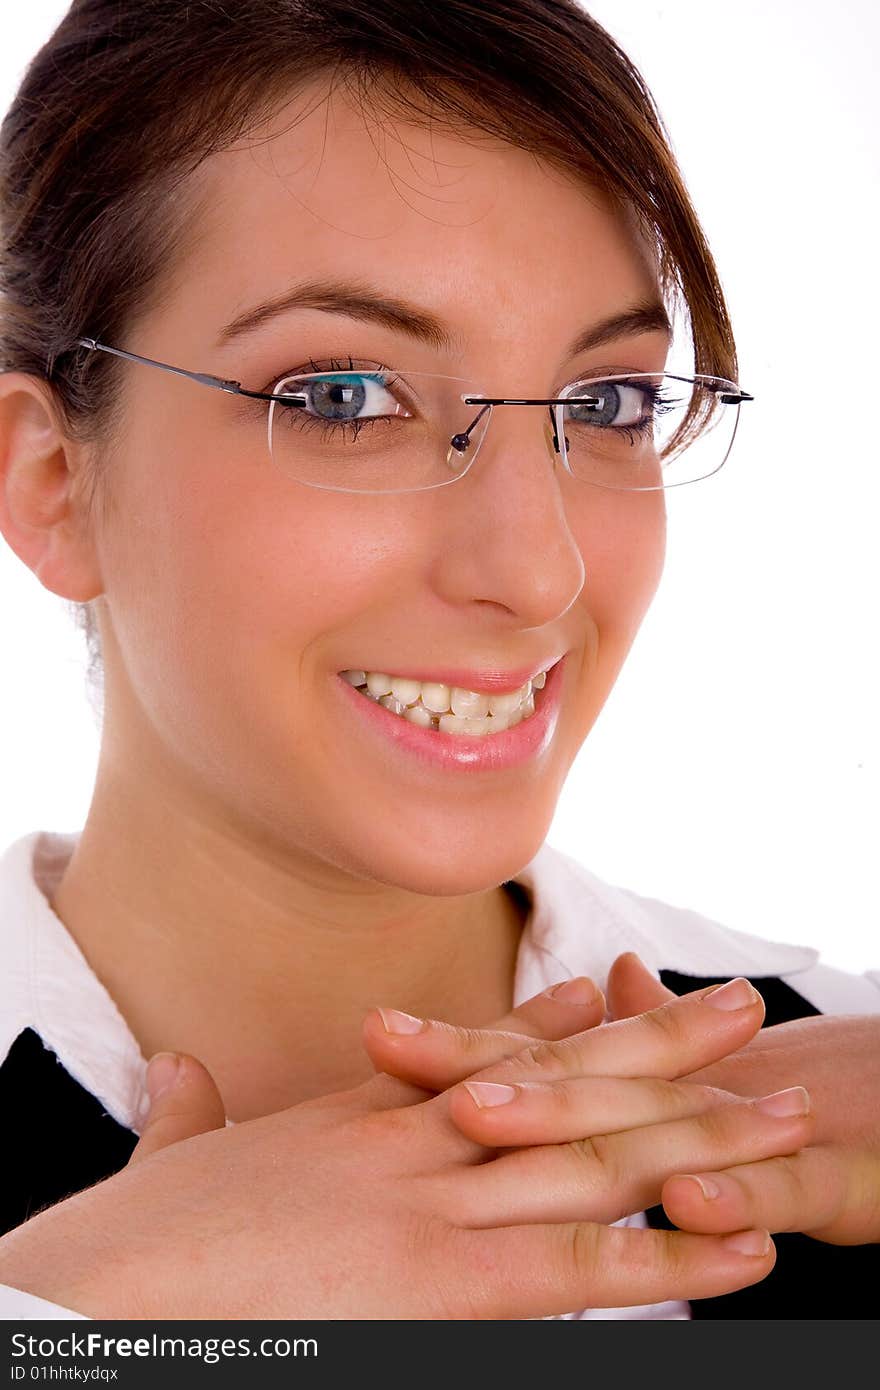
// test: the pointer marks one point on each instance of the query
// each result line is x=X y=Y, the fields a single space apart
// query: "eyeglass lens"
x=389 y=431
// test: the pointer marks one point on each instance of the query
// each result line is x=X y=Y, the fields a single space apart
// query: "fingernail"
x=736 y=994
x=634 y=955
x=580 y=990
x=490 y=1092
x=397 y=1022
x=749 y=1242
x=708 y=1186
x=162 y=1072
x=793 y=1101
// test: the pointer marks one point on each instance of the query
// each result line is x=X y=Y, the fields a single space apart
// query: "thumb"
x=184 y=1101
x=632 y=989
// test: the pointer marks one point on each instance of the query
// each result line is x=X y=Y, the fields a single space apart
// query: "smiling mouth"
x=448 y=709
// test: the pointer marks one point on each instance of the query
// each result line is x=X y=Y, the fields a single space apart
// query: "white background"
x=735 y=767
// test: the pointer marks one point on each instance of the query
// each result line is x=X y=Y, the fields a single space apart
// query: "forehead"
x=327 y=185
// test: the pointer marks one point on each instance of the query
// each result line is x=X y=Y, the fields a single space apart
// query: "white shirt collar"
x=48 y=985
x=578 y=924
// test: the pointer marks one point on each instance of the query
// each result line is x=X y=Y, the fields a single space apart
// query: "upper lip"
x=488 y=681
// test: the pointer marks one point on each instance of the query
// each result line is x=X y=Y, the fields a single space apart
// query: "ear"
x=41 y=515
x=632 y=989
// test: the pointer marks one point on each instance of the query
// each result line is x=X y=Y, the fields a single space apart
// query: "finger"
x=505 y=1116
x=184 y=1101
x=632 y=989
x=435 y=1054
x=824 y=1191
x=607 y=1177
x=553 y=1269
x=670 y=1041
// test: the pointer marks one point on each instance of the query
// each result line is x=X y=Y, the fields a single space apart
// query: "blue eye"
x=346 y=397
x=345 y=400
x=625 y=406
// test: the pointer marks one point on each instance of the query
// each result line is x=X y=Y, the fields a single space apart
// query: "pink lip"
x=483 y=682
x=477 y=753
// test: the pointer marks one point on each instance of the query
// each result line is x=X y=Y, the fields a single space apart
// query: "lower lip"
x=475 y=752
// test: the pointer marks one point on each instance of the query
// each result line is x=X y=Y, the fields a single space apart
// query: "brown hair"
x=127 y=98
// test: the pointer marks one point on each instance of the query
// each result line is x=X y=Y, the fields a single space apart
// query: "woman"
x=275 y=280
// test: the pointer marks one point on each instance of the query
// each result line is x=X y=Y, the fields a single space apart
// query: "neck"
x=264 y=968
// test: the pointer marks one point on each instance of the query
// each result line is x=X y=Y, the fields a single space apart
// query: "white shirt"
x=578 y=925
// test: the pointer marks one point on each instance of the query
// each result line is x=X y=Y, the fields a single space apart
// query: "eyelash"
x=346 y=429
x=658 y=402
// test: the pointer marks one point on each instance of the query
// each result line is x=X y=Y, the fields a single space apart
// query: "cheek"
x=268 y=575
x=219 y=574
x=622 y=539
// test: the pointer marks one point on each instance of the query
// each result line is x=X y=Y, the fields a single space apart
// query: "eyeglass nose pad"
x=463 y=448
x=552 y=438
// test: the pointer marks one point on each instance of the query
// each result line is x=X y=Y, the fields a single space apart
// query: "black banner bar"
x=217 y=1354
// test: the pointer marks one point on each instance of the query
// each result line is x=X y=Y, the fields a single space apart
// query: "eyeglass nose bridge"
x=461 y=442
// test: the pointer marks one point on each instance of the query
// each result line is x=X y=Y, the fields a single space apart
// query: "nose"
x=507 y=537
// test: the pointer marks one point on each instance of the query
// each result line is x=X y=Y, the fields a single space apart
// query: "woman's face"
x=233 y=595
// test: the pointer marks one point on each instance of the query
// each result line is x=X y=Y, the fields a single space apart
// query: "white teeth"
x=405 y=690
x=469 y=704
x=506 y=704
x=422 y=717
x=450 y=709
x=436 y=697
x=378 y=684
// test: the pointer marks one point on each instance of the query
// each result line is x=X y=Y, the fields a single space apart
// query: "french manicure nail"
x=749 y=1242
x=736 y=994
x=398 y=1022
x=708 y=1186
x=580 y=990
x=490 y=1092
x=793 y=1101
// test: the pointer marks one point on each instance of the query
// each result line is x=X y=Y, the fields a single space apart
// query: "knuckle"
x=584 y=1250
x=548 y=1058
x=668 y=1098
x=790 y=1173
x=674 y=1259
x=395 y=1126
x=597 y=1153
x=381 y=1092
x=565 y=1098
x=607 y=1148
x=583 y=1153
x=471 y=1042
x=664 y=1022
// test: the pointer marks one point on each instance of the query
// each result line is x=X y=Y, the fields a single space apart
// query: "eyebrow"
x=360 y=301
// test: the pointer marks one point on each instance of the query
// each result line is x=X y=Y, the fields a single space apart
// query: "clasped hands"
x=412 y=1196
x=787 y=1132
